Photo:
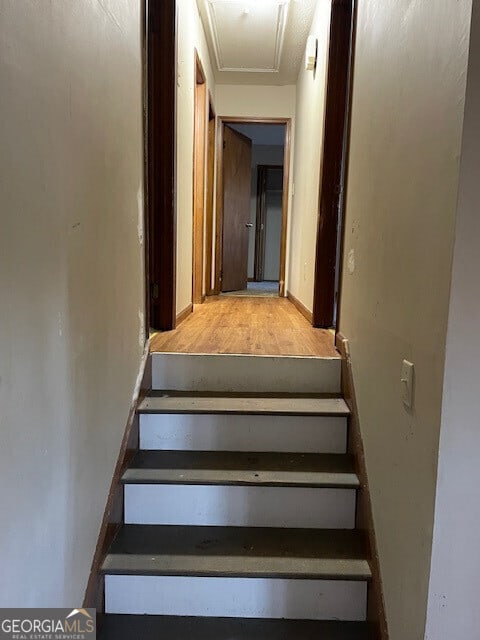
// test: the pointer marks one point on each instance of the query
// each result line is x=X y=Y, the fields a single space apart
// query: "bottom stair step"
x=129 y=627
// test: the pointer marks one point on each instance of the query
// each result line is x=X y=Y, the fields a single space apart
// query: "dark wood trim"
x=183 y=315
x=210 y=197
x=285 y=204
x=161 y=179
x=300 y=307
x=347 y=164
x=376 y=612
x=113 y=514
x=200 y=134
x=225 y=120
x=217 y=261
x=146 y=239
x=335 y=152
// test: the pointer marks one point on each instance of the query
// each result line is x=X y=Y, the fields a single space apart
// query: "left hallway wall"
x=71 y=281
x=191 y=36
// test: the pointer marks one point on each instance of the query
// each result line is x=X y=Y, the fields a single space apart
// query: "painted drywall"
x=310 y=118
x=190 y=36
x=407 y=118
x=71 y=202
x=261 y=154
x=255 y=101
x=453 y=610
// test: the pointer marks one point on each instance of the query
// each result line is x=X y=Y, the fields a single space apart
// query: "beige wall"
x=408 y=104
x=255 y=101
x=453 y=610
x=71 y=283
x=310 y=117
x=191 y=36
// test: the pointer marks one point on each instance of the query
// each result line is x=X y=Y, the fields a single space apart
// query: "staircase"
x=239 y=507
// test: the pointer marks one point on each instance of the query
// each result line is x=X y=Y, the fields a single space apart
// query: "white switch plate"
x=408 y=380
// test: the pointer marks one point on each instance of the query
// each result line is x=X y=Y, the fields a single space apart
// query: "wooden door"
x=237 y=163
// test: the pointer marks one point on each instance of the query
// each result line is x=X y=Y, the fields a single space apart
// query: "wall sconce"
x=311 y=53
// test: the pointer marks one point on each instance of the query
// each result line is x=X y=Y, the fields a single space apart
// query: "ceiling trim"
x=282 y=7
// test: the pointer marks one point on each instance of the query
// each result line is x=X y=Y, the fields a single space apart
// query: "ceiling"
x=271 y=134
x=257 y=41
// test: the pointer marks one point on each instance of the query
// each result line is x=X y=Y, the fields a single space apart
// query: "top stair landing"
x=227 y=373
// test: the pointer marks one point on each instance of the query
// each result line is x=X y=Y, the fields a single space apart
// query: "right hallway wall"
x=407 y=116
x=453 y=610
x=309 y=132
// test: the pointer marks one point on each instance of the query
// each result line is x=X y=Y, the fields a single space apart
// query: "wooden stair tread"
x=238 y=552
x=252 y=404
x=148 y=627
x=242 y=468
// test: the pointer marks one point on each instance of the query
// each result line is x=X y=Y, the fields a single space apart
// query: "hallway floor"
x=265 y=289
x=257 y=326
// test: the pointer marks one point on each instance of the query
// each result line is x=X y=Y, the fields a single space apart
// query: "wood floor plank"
x=257 y=326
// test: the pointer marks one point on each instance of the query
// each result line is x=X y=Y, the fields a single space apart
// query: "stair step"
x=229 y=432
x=151 y=627
x=241 y=468
x=193 y=403
x=227 y=372
x=246 y=552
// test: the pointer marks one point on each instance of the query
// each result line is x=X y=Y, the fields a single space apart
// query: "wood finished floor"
x=256 y=326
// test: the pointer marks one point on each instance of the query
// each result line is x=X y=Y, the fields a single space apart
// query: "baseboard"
x=300 y=307
x=113 y=514
x=183 y=315
x=364 y=519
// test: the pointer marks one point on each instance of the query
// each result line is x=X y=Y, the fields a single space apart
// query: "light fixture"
x=311 y=53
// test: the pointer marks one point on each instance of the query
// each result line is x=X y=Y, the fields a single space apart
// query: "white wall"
x=453 y=610
x=310 y=117
x=255 y=101
x=191 y=36
x=408 y=102
x=261 y=154
x=71 y=282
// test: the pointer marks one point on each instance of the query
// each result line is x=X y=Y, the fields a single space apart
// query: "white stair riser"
x=236 y=597
x=302 y=434
x=244 y=373
x=240 y=506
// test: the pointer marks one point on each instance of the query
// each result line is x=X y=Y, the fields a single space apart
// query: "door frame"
x=200 y=135
x=160 y=126
x=259 y=261
x=334 y=174
x=210 y=193
x=222 y=121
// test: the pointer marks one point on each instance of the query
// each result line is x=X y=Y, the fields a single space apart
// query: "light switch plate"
x=408 y=381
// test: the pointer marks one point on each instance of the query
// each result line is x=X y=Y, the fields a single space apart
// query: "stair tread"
x=238 y=552
x=242 y=468
x=152 y=627
x=253 y=404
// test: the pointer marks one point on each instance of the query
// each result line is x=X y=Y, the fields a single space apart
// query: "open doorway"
x=252 y=207
x=175 y=77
